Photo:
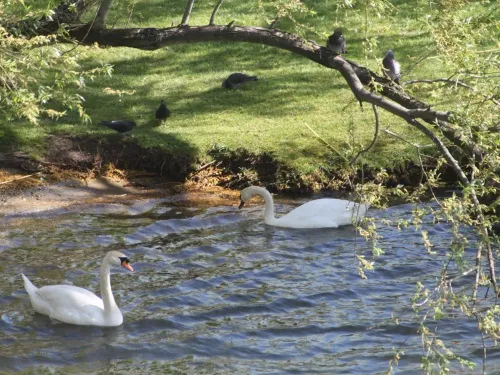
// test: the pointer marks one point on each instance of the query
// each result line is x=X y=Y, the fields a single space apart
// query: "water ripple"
x=217 y=291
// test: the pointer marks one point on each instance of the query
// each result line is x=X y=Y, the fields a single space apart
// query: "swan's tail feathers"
x=28 y=285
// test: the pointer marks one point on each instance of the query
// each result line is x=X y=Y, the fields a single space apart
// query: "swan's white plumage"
x=75 y=305
x=319 y=213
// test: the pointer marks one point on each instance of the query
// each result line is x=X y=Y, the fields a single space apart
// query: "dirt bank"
x=83 y=159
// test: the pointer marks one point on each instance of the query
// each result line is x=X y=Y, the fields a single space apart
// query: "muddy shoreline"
x=90 y=168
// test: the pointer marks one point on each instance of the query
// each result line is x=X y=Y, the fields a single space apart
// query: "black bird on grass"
x=391 y=66
x=336 y=42
x=236 y=79
x=121 y=126
x=162 y=112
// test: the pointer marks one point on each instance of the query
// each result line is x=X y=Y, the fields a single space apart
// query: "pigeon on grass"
x=235 y=80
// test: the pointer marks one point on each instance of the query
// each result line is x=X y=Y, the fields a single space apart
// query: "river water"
x=215 y=291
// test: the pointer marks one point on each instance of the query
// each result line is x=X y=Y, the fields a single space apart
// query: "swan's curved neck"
x=269 y=204
x=106 y=293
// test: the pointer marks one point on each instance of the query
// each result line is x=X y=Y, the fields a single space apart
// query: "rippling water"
x=215 y=291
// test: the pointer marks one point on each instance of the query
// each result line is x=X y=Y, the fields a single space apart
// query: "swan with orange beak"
x=74 y=305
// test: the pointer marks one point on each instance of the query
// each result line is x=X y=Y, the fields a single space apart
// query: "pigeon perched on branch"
x=162 y=112
x=336 y=42
x=236 y=79
x=121 y=126
x=391 y=66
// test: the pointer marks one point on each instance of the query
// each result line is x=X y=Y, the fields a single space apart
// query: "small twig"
x=377 y=126
x=325 y=142
x=84 y=37
x=274 y=22
x=484 y=344
x=456 y=82
x=216 y=9
x=17 y=179
x=422 y=169
x=419 y=61
x=463 y=274
x=485 y=75
x=131 y=12
x=205 y=166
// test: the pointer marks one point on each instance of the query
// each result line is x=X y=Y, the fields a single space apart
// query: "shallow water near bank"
x=215 y=291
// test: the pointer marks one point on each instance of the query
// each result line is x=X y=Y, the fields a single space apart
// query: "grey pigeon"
x=162 y=112
x=336 y=42
x=121 y=126
x=391 y=66
x=236 y=79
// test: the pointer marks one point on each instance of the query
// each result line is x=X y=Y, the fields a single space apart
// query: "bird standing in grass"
x=336 y=42
x=162 y=112
x=236 y=79
x=121 y=126
x=391 y=66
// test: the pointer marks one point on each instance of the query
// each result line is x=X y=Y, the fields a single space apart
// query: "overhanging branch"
x=155 y=38
x=152 y=39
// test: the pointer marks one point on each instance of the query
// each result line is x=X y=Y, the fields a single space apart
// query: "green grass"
x=270 y=115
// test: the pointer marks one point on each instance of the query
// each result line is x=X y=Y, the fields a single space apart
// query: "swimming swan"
x=319 y=213
x=74 y=305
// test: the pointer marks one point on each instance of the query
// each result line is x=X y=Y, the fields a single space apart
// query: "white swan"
x=319 y=213
x=74 y=305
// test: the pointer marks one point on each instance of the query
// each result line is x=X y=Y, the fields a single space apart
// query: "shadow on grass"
x=16 y=135
x=205 y=66
x=277 y=93
x=174 y=159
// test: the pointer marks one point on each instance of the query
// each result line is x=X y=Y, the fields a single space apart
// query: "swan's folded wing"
x=68 y=296
x=71 y=304
x=323 y=213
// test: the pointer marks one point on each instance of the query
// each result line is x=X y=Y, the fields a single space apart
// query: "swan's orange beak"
x=126 y=264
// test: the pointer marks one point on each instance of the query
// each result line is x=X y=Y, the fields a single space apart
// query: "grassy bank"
x=294 y=101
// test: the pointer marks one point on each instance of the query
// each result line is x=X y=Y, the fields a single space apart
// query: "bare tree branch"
x=377 y=127
x=187 y=13
x=216 y=9
x=401 y=102
x=479 y=251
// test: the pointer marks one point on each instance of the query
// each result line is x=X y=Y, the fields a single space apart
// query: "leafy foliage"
x=39 y=77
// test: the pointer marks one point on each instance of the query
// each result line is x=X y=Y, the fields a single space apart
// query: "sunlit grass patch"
x=295 y=110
